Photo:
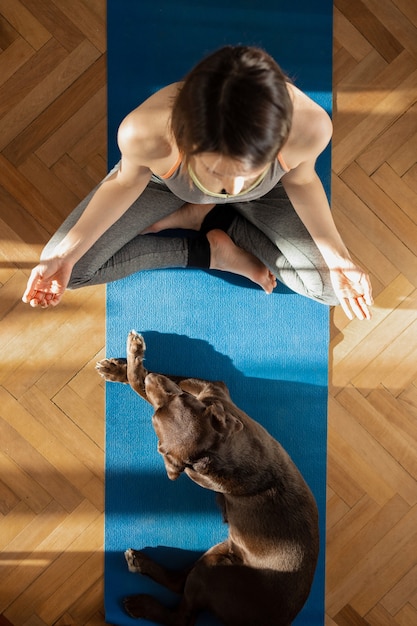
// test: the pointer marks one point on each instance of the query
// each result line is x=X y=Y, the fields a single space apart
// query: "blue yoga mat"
x=272 y=351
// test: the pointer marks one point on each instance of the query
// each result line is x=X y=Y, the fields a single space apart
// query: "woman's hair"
x=234 y=102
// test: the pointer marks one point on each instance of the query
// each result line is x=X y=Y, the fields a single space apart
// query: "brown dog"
x=262 y=574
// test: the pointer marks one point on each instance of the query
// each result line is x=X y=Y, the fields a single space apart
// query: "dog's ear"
x=221 y=420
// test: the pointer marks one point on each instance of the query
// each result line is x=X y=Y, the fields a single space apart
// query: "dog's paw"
x=146 y=607
x=134 y=560
x=113 y=370
x=135 y=606
x=136 y=344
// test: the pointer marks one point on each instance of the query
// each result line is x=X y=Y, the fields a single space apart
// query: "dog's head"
x=190 y=432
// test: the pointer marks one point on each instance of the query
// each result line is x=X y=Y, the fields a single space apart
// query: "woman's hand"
x=47 y=283
x=353 y=288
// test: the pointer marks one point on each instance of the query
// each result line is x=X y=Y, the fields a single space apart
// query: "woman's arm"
x=49 y=279
x=108 y=204
x=305 y=190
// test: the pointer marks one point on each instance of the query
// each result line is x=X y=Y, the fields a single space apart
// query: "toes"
x=132 y=560
x=135 y=343
x=130 y=606
x=113 y=370
x=103 y=367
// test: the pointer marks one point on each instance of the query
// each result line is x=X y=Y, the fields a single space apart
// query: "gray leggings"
x=269 y=228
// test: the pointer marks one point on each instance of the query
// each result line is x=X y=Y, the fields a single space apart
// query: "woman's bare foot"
x=226 y=256
x=189 y=216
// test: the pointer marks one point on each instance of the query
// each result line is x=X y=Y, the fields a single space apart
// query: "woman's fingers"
x=356 y=307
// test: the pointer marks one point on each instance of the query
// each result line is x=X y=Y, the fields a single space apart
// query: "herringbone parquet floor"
x=53 y=150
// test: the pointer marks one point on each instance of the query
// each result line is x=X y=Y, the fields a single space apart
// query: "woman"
x=229 y=153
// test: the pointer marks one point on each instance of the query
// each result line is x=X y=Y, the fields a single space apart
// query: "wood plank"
x=391 y=183
x=72 y=175
x=65 y=137
x=397 y=24
x=398 y=357
x=13 y=58
x=372 y=28
x=393 y=477
x=57 y=113
x=25 y=23
x=53 y=191
x=34 y=497
x=404 y=159
x=381 y=567
x=407 y=616
x=396 y=599
x=389 y=145
x=55 y=21
x=83 y=525
x=87 y=20
x=394 y=444
x=349 y=37
x=389 y=567
x=397 y=219
x=26 y=78
x=356 y=362
x=30 y=106
x=388 y=105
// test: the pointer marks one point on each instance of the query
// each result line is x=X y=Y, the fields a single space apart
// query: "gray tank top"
x=185 y=188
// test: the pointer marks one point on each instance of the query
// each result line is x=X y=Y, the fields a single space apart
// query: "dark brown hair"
x=235 y=102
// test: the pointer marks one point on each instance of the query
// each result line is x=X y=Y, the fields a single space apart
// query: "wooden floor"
x=53 y=149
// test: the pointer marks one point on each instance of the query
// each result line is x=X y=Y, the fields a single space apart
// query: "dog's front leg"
x=113 y=370
x=128 y=370
x=136 y=372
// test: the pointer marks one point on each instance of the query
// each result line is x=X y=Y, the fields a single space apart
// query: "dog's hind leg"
x=147 y=607
x=240 y=595
x=139 y=563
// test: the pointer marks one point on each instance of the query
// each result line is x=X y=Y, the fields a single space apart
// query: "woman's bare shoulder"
x=145 y=134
